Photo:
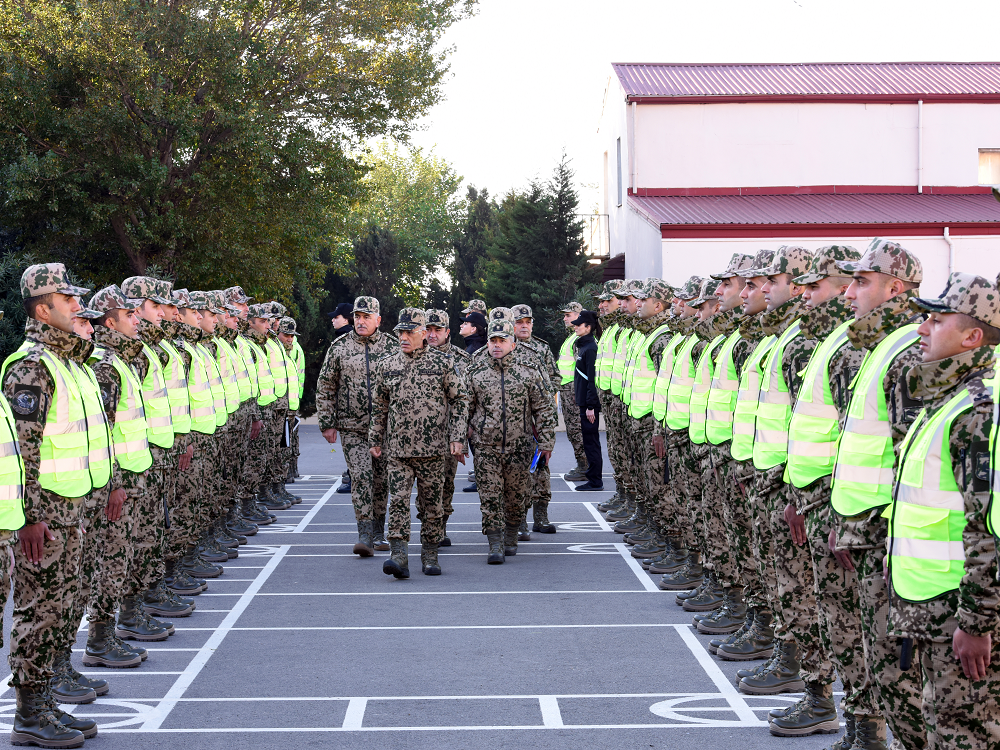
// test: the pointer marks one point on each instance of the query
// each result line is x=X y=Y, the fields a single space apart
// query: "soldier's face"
x=410 y=341
x=753 y=297
x=687 y=311
x=778 y=289
x=824 y=290
x=568 y=319
x=945 y=335
x=286 y=338
x=231 y=321
x=274 y=324
x=83 y=328
x=126 y=322
x=189 y=316
x=438 y=336
x=170 y=312
x=365 y=323
x=870 y=289
x=208 y=321
x=606 y=306
x=151 y=312
x=261 y=325
x=60 y=312
x=649 y=307
x=501 y=346
x=631 y=305
x=729 y=293
x=243 y=307
x=522 y=328
x=466 y=330
x=707 y=309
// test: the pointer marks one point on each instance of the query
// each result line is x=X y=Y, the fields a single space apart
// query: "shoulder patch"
x=107 y=397
x=25 y=402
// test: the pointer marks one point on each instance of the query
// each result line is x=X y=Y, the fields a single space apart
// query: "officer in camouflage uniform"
x=477 y=305
x=344 y=404
x=885 y=279
x=950 y=612
x=439 y=337
x=419 y=416
x=567 y=397
x=500 y=388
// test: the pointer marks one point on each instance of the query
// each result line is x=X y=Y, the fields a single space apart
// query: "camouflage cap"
x=367 y=305
x=761 y=260
x=611 y=288
x=691 y=289
x=500 y=329
x=164 y=289
x=706 y=293
x=200 y=301
x=260 y=311
x=217 y=299
x=628 y=288
x=287 y=326
x=739 y=262
x=501 y=313
x=438 y=318
x=181 y=298
x=112 y=298
x=86 y=313
x=410 y=319
x=886 y=256
x=278 y=310
x=790 y=259
x=143 y=288
x=521 y=311
x=235 y=294
x=48 y=278
x=477 y=305
x=657 y=289
x=968 y=294
x=572 y=307
x=824 y=263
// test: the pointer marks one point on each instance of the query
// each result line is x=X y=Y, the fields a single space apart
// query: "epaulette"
x=538 y=338
x=339 y=338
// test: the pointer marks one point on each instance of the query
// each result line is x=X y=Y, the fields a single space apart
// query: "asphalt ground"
x=568 y=644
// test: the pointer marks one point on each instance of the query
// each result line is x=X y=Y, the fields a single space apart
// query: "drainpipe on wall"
x=920 y=148
x=951 y=252
x=635 y=162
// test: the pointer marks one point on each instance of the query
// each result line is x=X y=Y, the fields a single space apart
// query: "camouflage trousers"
x=261 y=450
x=7 y=541
x=840 y=616
x=234 y=449
x=541 y=485
x=294 y=451
x=957 y=712
x=448 y=485
x=684 y=484
x=504 y=485
x=90 y=569
x=43 y=595
x=279 y=458
x=429 y=474
x=655 y=491
x=111 y=544
x=195 y=489
x=251 y=459
x=898 y=692
x=369 y=480
x=736 y=481
x=571 y=416
x=617 y=450
x=714 y=499
x=766 y=485
x=147 y=532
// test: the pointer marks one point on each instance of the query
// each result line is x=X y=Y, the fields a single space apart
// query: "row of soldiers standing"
x=146 y=435
x=804 y=448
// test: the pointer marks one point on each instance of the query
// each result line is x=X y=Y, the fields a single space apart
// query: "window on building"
x=619 y=171
x=989 y=166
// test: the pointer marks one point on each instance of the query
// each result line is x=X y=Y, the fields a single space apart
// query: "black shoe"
x=590 y=487
x=36 y=724
x=471 y=488
x=345 y=487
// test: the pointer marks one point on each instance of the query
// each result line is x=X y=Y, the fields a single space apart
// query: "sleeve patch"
x=25 y=402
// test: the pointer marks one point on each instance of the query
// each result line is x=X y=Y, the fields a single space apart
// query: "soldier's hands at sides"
x=33 y=538
x=458 y=452
x=660 y=446
x=591 y=416
x=843 y=556
x=184 y=462
x=256 y=427
x=796 y=524
x=330 y=434
x=974 y=653
x=375 y=450
x=546 y=455
x=113 y=510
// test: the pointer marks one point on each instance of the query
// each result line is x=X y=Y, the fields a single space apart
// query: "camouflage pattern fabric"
x=48 y=278
x=824 y=263
x=714 y=501
x=888 y=257
x=343 y=390
x=735 y=479
x=90 y=563
x=8 y=539
x=369 y=476
x=429 y=473
x=277 y=464
x=968 y=294
x=571 y=418
x=194 y=492
x=147 y=530
x=264 y=447
x=112 y=542
x=504 y=485
x=790 y=259
x=660 y=502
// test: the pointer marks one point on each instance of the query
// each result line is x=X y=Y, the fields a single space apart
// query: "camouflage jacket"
x=344 y=390
x=114 y=344
x=172 y=330
x=975 y=605
x=544 y=352
x=507 y=400
x=152 y=336
x=419 y=404
x=459 y=356
x=869 y=530
x=523 y=354
x=27 y=384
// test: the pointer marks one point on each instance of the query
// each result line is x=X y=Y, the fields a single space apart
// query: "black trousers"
x=592 y=446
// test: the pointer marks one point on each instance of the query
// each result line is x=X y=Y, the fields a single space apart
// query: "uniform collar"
x=67 y=345
x=868 y=331
x=126 y=348
x=777 y=320
x=373 y=339
x=934 y=382
x=724 y=323
x=820 y=322
x=151 y=334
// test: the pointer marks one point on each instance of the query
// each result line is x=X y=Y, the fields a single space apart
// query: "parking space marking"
x=601 y=522
x=641 y=574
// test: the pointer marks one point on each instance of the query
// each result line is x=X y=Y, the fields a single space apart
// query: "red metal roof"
x=743 y=210
x=676 y=82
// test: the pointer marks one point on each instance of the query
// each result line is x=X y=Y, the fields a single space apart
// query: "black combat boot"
x=134 y=625
x=522 y=531
x=87 y=726
x=160 y=600
x=540 y=518
x=496 y=553
x=267 y=498
x=103 y=650
x=250 y=513
x=99 y=686
x=510 y=540
x=625 y=510
x=345 y=484
x=281 y=490
x=65 y=688
x=633 y=523
x=688 y=577
x=709 y=599
x=814 y=714
x=364 y=547
x=713 y=645
x=36 y=724
x=844 y=743
x=611 y=504
x=782 y=675
x=207 y=549
x=758 y=643
x=378 y=535
x=672 y=562
x=237 y=526
x=429 y=564
x=579 y=474
x=869 y=733
x=181 y=582
x=445 y=541
x=729 y=617
x=398 y=563
x=196 y=566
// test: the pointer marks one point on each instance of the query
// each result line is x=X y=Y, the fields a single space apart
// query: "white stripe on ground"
x=592 y=507
x=316 y=508
x=641 y=574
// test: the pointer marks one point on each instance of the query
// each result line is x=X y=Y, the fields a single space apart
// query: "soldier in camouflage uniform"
x=283 y=372
x=567 y=397
x=344 y=404
x=885 y=279
x=419 y=416
x=47 y=559
x=951 y=616
x=611 y=316
x=477 y=305
x=500 y=389
x=288 y=336
x=439 y=337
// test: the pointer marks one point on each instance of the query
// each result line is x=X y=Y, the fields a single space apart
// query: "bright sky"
x=528 y=76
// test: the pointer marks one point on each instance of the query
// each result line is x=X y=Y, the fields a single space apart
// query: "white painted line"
x=472 y=554
x=722 y=683
x=459 y=627
x=605 y=526
x=177 y=690
x=551 y=716
x=315 y=509
x=355 y=715
x=439 y=593
x=641 y=574
x=721 y=724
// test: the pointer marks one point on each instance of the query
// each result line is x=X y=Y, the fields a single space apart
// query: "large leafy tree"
x=211 y=138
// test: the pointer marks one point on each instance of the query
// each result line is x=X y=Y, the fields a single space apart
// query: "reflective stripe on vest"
x=200 y=393
x=243 y=349
x=643 y=379
x=662 y=384
x=226 y=360
x=293 y=380
x=156 y=402
x=299 y=358
x=774 y=407
x=722 y=395
x=64 y=453
x=567 y=360
x=927 y=516
x=11 y=472
x=747 y=397
x=177 y=389
x=618 y=360
x=863 y=474
x=265 y=382
x=815 y=426
x=276 y=358
x=704 y=371
x=993 y=515
x=635 y=345
x=130 y=434
x=605 y=356
x=215 y=385
x=681 y=383
x=98 y=433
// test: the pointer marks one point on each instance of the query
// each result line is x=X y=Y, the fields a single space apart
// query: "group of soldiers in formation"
x=805 y=449
x=145 y=435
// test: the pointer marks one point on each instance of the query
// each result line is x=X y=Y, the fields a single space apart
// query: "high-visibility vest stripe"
x=243 y=349
x=156 y=402
x=636 y=342
x=98 y=433
x=681 y=385
x=643 y=378
x=226 y=360
x=704 y=372
x=177 y=389
x=747 y=400
x=299 y=358
x=130 y=435
x=276 y=359
x=215 y=385
x=265 y=380
x=721 y=406
x=200 y=393
x=661 y=387
x=774 y=407
x=567 y=360
x=606 y=346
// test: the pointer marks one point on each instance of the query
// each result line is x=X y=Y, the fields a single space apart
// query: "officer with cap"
x=499 y=388
x=439 y=337
x=477 y=305
x=289 y=338
x=419 y=417
x=567 y=371
x=344 y=406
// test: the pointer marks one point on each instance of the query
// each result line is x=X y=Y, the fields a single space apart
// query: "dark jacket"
x=584 y=385
x=475 y=342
